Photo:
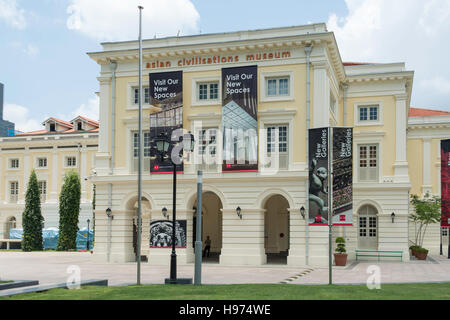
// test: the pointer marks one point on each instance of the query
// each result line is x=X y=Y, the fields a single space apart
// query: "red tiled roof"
x=95 y=123
x=62 y=122
x=418 y=112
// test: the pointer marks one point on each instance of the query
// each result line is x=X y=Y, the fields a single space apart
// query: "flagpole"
x=139 y=226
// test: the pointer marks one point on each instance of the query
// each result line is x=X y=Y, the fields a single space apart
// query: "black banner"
x=318 y=176
x=445 y=183
x=342 y=176
x=239 y=114
x=161 y=234
x=166 y=92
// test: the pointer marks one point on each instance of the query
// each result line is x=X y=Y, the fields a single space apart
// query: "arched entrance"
x=11 y=223
x=368 y=227
x=132 y=213
x=276 y=229
x=211 y=225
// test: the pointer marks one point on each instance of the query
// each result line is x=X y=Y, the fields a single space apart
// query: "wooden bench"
x=379 y=253
x=8 y=241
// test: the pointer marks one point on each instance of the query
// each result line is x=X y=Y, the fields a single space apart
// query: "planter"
x=340 y=259
x=421 y=255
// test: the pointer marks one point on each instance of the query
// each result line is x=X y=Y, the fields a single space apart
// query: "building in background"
x=6 y=127
x=61 y=146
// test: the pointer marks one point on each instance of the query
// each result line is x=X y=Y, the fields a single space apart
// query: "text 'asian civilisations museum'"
x=249 y=98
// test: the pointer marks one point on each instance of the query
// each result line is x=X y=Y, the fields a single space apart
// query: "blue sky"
x=46 y=71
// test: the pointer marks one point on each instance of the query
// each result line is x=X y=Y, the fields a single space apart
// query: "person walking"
x=207 y=247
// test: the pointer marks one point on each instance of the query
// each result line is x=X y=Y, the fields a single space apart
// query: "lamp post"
x=162 y=146
x=87 y=243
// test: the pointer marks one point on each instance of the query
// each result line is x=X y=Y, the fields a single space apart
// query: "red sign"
x=445 y=183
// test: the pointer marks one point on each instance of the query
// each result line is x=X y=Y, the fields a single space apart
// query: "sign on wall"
x=166 y=92
x=161 y=234
x=239 y=114
x=445 y=183
x=341 y=155
x=342 y=176
x=318 y=176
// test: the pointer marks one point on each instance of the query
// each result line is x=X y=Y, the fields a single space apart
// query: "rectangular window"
x=146 y=95
x=277 y=86
x=207 y=149
x=14 y=163
x=368 y=113
x=43 y=190
x=145 y=151
x=368 y=162
x=282 y=131
x=14 y=191
x=208 y=91
x=71 y=162
x=42 y=162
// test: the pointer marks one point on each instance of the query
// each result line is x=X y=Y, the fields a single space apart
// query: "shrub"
x=69 y=210
x=340 y=241
x=32 y=219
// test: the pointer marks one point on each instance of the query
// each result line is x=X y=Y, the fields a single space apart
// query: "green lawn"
x=247 y=292
x=5 y=281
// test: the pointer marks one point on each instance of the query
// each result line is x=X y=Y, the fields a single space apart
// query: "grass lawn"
x=5 y=281
x=247 y=292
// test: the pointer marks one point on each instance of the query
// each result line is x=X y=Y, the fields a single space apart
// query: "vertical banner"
x=445 y=183
x=318 y=176
x=342 y=176
x=166 y=92
x=161 y=234
x=239 y=114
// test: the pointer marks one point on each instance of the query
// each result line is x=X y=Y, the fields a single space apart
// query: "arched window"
x=367 y=228
x=11 y=223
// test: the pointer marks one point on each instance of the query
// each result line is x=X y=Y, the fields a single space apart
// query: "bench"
x=378 y=254
x=8 y=241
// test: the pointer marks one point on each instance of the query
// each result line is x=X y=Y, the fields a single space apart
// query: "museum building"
x=295 y=80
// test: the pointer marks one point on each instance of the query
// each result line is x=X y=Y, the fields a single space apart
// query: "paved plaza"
x=52 y=268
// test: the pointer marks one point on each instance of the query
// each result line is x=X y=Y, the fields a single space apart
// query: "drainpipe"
x=308 y=101
x=113 y=148
x=345 y=88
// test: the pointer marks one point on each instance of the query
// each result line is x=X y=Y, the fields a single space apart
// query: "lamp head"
x=238 y=212
x=302 y=212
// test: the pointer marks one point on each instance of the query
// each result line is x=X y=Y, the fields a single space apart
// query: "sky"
x=46 y=71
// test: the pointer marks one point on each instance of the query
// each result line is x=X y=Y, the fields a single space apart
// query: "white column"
x=53 y=197
x=427 y=187
x=26 y=173
x=104 y=131
x=297 y=237
x=321 y=96
x=83 y=174
x=243 y=240
x=401 y=163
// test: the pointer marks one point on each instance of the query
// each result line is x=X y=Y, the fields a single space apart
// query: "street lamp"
x=302 y=212
x=238 y=212
x=164 y=212
x=108 y=213
x=162 y=147
x=87 y=243
x=393 y=217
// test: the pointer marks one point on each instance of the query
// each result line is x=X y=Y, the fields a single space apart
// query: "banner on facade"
x=318 y=176
x=445 y=183
x=342 y=176
x=161 y=234
x=166 y=92
x=239 y=114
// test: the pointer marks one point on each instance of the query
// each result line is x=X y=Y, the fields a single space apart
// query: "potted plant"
x=421 y=253
x=340 y=257
x=413 y=250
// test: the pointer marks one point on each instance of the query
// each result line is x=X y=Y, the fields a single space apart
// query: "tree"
x=32 y=219
x=426 y=211
x=69 y=210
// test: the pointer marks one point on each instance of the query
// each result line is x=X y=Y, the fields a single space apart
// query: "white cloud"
x=31 y=50
x=410 y=31
x=12 y=15
x=109 y=20
x=20 y=116
x=88 y=110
